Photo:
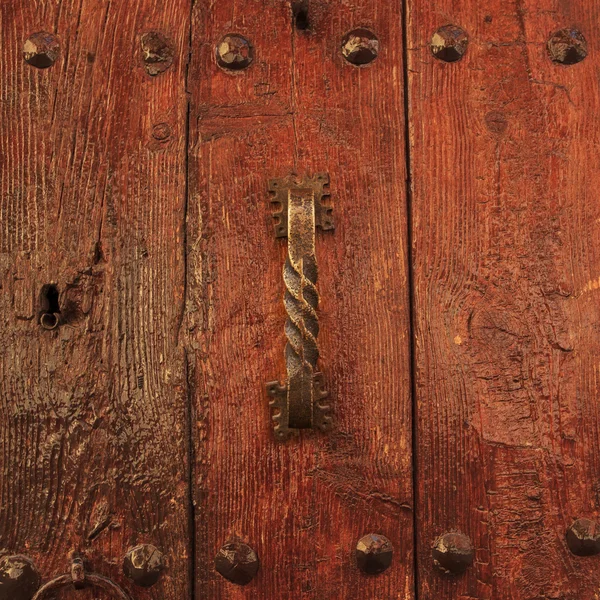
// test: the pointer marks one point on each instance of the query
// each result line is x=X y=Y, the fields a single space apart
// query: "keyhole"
x=300 y=12
x=49 y=307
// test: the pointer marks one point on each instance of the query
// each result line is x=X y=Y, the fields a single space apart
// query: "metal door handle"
x=301 y=210
x=79 y=579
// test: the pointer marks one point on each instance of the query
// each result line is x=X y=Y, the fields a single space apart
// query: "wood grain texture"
x=93 y=415
x=506 y=223
x=303 y=504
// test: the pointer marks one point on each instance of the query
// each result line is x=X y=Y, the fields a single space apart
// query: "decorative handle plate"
x=300 y=210
x=79 y=579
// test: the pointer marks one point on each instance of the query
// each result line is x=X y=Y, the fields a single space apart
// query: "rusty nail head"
x=237 y=562
x=453 y=553
x=583 y=538
x=449 y=43
x=19 y=578
x=360 y=46
x=41 y=49
x=374 y=553
x=234 y=52
x=143 y=565
x=157 y=53
x=567 y=46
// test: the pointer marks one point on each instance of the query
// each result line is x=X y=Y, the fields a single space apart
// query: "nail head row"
x=238 y=562
x=41 y=50
x=359 y=47
x=452 y=553
x=566 y=46
x=234 y=52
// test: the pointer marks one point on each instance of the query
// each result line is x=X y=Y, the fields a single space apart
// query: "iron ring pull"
x=299 y=402
x=80 y=579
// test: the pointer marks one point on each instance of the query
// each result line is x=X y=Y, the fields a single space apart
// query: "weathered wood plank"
x=302 y=504
x=506 y=265
x=93 y=417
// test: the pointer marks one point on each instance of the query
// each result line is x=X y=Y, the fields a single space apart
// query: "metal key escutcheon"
x=300 y=210
x=79 y=579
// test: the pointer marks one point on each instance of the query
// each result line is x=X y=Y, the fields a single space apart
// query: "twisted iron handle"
x=79 y=579
x=299 y=403
x=301 y=300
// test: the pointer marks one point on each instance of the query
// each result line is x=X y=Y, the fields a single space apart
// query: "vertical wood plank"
x=302 y=504
x=505 y=232
x=93 y=415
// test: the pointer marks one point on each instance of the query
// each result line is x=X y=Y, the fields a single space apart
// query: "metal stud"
x=237 y=562
x=19 y=578
x=157 y=53
x=449 y=43
x=41 y=50
x=360 y=47
x=583 y=538
x=453 y=553
x=144 y=565
x=234 y=52
x=374 y=553
x=567 y=46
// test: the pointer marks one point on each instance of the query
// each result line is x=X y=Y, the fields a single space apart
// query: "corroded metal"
x=360 y=46
x=453 y=553
x=41 y=49
x=237 y=562
x=19 y=578
x=158 y=52
x=567 y=46
x=299 y=403
x=234 y=52
x=583 y=538
x=144 y=565
x=374 y=553
x=449 y=43
x=79 y=579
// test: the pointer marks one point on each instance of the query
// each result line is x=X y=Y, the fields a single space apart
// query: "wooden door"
x=301 y=109
x=175 y=175
x=505 y=229
x=143 y=300
x=94 y=416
